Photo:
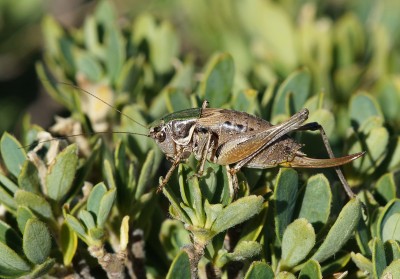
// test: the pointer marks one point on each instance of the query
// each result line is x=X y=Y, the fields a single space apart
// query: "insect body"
x=236 y=139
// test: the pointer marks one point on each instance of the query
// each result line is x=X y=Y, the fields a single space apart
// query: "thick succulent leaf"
x=164 y=47
x=95 y=196
x=13 y=154
x=124 y=233
x=89 y=66
x=145 y=174
x=341 y=231
x=87 y=218
x=254 y=227
x=391 y=229
x=36 y=241
x=362 y=107
x=35 y=203
x=8 y=184
x=180 y=267
x=77 y=226
x=11 y=264
x=292 y=93
x=68 y=243
x=286 y=188
x=316 y=203
x=378 y=258
x=259 y=270
x=218 y=80
x=237 y=212
x=297 y=241
x=386 y=186
x=311 y=269
x=389 y=220
x=61 y=173
x=106 y=204
x=245 y=250
x=7 y=200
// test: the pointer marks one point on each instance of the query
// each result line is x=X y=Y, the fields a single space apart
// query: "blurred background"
x=334 y=39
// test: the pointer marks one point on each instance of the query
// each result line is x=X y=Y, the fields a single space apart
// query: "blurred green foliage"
x=67 y=203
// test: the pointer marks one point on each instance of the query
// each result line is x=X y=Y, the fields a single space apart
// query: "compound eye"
x=161 y=136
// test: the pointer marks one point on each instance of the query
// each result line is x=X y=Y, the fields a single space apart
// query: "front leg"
x=175 y=163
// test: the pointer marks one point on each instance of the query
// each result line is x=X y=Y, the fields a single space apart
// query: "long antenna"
x=94 y=96
x=82 y=134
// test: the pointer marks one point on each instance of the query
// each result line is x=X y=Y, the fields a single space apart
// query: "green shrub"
x=87 y=204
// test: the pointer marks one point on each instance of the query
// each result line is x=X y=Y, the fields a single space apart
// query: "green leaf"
x=391 y=229
x=254 y=227
x=28 y=178
x=363 y=235
x=106 y=204
x=10 y=237
x=387 y=230
x=164 y=47
x=11 y=186
x=35 y=203
x=11 y=264
x=245 y=250
x=61 y=174
x=297 y=241
x=7 y=200
x=237 y=212
x=378 y=258
x=292 y=94
x=316 y=203
x=386 y=187
x=362 y=107
x=95 y=196
x=259 y=270
x=218 y=80
x=115 y=51
x=23 y=215
x=341 y=231
x=180 y=267
x=89 y=66
x=77 y=226
x=392 y=271
x=145 y=173
x=124 y=233
x=363 y=263
x=68 y=243
x=87 y=218
x=286 y=187
x=13 y=154
x=108 y=174
x=40 y=270
x=36 y=241
x=311 y=269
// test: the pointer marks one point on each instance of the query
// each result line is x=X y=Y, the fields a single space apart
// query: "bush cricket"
x=235 y=139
